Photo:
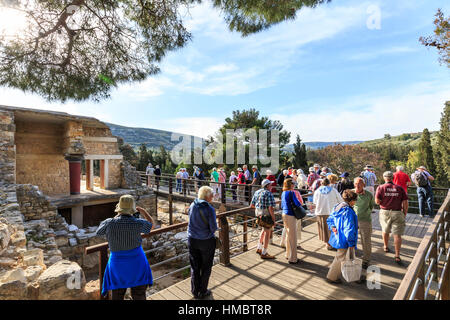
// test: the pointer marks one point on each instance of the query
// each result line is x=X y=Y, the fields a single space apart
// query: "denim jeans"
x=178 y=189
x=426 y=197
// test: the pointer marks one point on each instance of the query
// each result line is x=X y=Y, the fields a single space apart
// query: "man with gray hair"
x=402 y=179
x=393 y=202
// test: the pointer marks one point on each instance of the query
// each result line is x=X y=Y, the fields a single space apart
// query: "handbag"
x=299 y=212
x=265 y=221
x=351 y=267
x=218 y=241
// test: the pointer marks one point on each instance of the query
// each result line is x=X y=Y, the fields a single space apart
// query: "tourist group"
x=342 y=207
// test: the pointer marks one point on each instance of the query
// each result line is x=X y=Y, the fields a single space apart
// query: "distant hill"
x=406 y=139
x=152 y=138
x=320 y=145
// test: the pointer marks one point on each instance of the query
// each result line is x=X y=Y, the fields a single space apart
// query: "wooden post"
x=170 y=198
x=222 y=192
x=103 y=261
x=184 y=187
x=245 y=238
x=434 y=253
x=225 y=238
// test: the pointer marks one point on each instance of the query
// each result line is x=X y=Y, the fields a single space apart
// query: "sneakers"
x=267 y=256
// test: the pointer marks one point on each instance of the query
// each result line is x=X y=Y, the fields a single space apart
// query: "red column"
x=75 y=175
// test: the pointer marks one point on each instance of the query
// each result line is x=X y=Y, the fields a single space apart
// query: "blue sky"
x=326 y=76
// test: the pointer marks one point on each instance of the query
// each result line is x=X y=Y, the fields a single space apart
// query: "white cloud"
x=368 y=117
x=232 y=65
x=196 y=126
x=381 y=52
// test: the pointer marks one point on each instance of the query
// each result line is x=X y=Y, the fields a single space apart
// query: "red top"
x=402 y=179
x=273 y=184
x=241 y=177
x=391 y=196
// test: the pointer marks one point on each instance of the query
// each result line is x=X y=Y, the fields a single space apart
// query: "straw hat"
x=422 y=167
x=126 y=205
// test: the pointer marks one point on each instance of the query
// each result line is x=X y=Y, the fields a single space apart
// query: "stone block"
x=33 y=272
x=18 y=239
x=34 y=257
x=64 y=280
x=73 y=242
x=7 y=262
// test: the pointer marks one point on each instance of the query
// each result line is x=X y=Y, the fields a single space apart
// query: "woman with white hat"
x=128 y=266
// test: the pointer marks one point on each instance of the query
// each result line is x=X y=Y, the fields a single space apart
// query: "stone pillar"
x=74 y=174
x=77 y=216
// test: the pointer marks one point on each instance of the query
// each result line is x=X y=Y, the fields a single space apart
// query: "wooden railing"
x=428 y=274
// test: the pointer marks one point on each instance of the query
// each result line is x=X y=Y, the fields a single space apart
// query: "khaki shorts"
x=392 y=222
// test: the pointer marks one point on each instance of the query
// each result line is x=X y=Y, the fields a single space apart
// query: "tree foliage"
x=78 y=49
x=350 y=158
x=250 y=119
x=441 y=38
x=299 y=160
x=426 y=156
x=443 y=149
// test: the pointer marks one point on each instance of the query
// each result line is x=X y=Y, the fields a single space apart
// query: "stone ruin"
x=48 y=215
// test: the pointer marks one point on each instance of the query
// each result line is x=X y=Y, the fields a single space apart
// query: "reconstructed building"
x=51 y=149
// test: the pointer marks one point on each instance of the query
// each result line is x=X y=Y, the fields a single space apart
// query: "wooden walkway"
x=250 y=278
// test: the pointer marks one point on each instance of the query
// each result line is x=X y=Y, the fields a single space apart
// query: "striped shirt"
x=124 y=232
x=263 y=199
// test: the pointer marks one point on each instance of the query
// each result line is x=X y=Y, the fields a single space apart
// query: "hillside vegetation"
x=411 y=140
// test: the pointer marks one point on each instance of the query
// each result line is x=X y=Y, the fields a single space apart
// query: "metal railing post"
x=224 y=235
x=245 y=237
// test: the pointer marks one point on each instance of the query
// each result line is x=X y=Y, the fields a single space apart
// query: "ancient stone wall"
x=130 y=177
x=115 y=178
x=7 y=148
x=39 y=159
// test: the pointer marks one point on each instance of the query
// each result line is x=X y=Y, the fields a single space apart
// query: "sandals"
x=387 y=250
x=398 y=261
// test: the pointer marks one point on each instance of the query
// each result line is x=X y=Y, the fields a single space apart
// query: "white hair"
x=400 y=168
x=204 y=192
x=285 y=171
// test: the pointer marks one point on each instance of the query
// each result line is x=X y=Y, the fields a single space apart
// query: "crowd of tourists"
x=343 y=209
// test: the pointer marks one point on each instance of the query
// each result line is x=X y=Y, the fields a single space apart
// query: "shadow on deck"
x=250 y=278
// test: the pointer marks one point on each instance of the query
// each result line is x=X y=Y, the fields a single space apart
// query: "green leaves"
x=80 y=49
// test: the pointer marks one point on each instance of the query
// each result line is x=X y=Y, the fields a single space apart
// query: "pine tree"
x=143 y=157
x=426 y=152
x=299 y=160
x=443 y=149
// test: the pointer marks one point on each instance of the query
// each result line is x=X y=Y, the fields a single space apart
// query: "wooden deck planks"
x=251 y=278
